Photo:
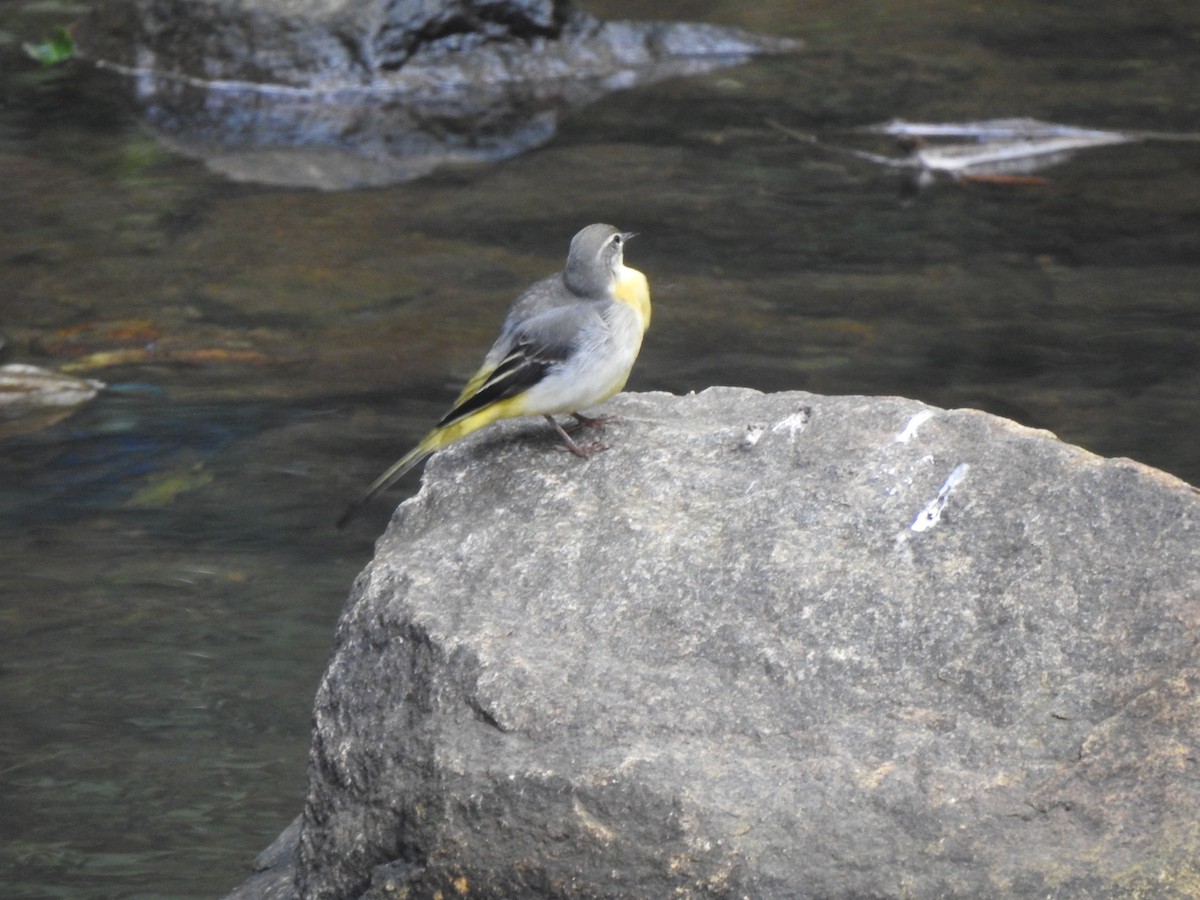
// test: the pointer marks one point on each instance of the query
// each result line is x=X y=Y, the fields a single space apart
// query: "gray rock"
x=767 y=646
x=303 y=43
x=334 y=94
x=274 y=875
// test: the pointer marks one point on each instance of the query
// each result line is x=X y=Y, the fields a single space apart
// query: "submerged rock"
x=765 y=646
x=333 y=94
x=997 y=150
x=33 y=398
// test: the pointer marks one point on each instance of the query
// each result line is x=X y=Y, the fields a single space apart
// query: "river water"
x=170 y=574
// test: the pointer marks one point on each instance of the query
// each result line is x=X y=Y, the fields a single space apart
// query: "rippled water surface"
x=170 y=574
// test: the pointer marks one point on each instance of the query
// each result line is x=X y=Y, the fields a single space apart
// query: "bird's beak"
x=628 y=235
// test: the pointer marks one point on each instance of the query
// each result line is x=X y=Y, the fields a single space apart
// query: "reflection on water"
x=480 y=105
x=171 y=576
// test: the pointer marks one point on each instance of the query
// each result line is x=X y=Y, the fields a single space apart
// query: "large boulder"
x=765 y=646
x=342 y=93
x=416 y=45
x=305 y=43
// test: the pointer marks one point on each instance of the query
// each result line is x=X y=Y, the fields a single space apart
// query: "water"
x=171 y=578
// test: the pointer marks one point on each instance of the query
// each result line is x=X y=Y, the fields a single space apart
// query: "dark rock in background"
x=765 y=646
x=338 y=94
x=306 y=43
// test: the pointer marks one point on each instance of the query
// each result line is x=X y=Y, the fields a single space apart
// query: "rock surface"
x=333 y=94
x=336 y=44
x=765 y=646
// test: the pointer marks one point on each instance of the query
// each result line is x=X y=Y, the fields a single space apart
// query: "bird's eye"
x=617 y=239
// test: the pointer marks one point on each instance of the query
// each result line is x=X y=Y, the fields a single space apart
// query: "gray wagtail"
x=568 y=343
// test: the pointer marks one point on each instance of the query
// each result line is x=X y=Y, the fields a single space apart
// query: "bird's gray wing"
x=530 y=349
x=540 y=297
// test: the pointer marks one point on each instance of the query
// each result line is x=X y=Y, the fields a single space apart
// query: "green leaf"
x=58 y=49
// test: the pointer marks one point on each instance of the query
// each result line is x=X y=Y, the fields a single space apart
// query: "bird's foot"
x=593 y=422
x=583 y=451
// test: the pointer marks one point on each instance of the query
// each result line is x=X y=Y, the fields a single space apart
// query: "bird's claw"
x=598 y=422
x=583 y=451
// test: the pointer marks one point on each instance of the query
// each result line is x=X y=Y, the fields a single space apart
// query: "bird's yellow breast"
x=633 y=290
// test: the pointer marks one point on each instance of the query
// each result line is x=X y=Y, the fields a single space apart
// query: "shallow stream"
x=169 y=573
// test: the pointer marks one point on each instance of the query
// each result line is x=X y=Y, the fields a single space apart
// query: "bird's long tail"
x=431 y=443
x=391 y=475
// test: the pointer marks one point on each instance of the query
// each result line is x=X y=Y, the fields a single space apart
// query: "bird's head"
x=595 y=259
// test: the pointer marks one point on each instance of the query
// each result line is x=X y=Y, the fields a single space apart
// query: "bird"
x=567 y=344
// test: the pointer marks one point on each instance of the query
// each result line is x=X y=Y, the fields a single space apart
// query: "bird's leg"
x=581 y=452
